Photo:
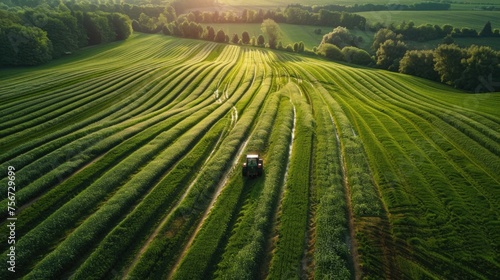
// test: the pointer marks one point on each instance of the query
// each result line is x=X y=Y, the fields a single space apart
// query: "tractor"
x=253 y=166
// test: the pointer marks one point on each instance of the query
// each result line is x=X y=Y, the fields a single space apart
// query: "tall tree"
x=210 y=35
x=381 y=36
x=61 y=31
x=486 y=31
x=272 y=29
x=448 y=63
x=341 y=37
x=480 y=66
x=245 y=37
x=221 y=36
x=261 y=41
x=253 y=40
x=122 y=26
x=23 y=45
x=301 y=47
x=170 y=13
x=148 y=24
x=356 y=56
x=235 y=39
x=98 y=28
x=390 y=53
x=330 y=51
x=419 y=63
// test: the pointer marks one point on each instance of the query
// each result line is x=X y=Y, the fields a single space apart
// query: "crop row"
x=292 y=227
x=124 y=140
x=233 y=115
x=236 y=85
x=71 y=101
x=246 y=247
x=45 y=149
x=424 y=153
x=80 y=209
x=197 y=258
x=200 y=259
x=128 y=166
x=106 y=138
x=362 y=191
x=443 y=147
x=37 y=238
x=183 y=220
x=483 y=142
x=389 y=156
x=331 y=254
x=146 y=213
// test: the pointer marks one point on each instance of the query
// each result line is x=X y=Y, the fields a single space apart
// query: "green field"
x=289 y=33
x=471 y=19
x=284 y=3
x=126 y=162
x=455 y=5
x=296 y=33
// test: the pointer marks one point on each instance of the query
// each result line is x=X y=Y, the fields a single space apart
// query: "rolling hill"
x=125 y=160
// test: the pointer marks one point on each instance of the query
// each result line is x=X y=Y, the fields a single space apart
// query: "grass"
x=471 y=19
x=161 y=197
x=128 y=159
x=292 y=227
x=251 y=231
x=456 y=18
x=290 y=33
x=284 y=3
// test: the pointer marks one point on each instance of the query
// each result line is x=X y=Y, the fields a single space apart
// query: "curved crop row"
x=128 y=155
x=183 y=219
x=106 y=139
x=331 y=254
x=286 y=261
x=144 y=215
x=246 y=246
x=202 y=254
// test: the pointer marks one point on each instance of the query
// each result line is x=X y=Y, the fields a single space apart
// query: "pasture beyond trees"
x=127 y=161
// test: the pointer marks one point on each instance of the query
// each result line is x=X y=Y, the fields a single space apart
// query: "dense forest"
x=35 y=35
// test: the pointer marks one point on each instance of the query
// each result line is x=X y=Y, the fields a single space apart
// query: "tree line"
x=422 y=6
x=475 y=68
x=182 y=27
x=32 y=36
x=291 y=15
x=428 y=32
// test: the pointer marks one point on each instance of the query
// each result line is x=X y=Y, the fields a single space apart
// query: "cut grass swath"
x=246 y=246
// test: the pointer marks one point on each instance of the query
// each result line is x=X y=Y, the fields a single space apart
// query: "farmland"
x=469 y=18
x=127 y=161
x=290 y=33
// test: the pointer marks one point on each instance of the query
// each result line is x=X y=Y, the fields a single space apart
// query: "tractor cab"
x=253 y=166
